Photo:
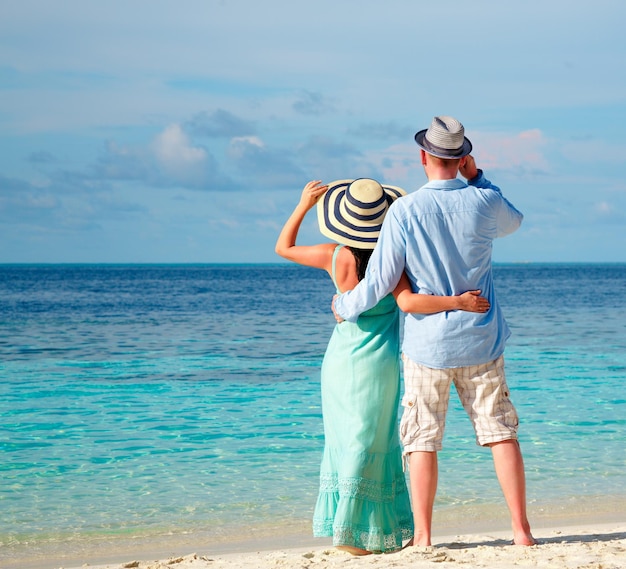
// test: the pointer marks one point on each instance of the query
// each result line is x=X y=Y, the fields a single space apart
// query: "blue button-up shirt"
x=442 y=236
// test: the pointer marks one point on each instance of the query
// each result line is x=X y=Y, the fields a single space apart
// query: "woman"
x=363 y=501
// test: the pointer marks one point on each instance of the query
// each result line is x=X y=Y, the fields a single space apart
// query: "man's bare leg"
x=509 y=465
x=423 y=474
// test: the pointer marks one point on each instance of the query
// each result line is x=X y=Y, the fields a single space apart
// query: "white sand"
x=600 y=547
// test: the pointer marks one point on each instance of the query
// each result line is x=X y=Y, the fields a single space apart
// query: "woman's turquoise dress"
x=363 y=500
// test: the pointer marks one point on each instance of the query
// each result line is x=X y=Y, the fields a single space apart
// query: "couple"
x=436 y=242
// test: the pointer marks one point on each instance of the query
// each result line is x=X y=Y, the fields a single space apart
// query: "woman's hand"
x=471 y=301
x=319 y=256
x=311 y=193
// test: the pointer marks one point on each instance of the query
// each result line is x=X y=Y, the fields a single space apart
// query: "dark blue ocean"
x=181 y=402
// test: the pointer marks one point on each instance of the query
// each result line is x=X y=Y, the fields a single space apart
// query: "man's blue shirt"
x=442 y=236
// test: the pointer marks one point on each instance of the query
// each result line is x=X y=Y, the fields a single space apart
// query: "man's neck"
x=433 y=177
x=434 y=173
x=438 y=169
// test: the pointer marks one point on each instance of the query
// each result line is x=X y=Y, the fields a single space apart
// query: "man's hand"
x=468 y=167
x=338 y=318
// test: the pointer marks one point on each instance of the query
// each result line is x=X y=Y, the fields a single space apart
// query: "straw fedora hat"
x=351 y=212
x=444 y=138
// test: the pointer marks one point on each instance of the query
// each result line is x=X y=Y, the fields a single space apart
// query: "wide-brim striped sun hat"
x=444 y=138
x=351 y=212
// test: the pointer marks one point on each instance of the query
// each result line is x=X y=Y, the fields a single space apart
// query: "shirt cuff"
x=339 y=309
x=475 y=181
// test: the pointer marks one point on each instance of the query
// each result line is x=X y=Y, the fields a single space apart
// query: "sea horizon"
x=263 y=263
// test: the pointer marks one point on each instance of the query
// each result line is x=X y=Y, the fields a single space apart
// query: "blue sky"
x=153 y=131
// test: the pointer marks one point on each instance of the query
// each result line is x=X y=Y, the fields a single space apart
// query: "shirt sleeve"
x=383 y=271
x=508 y=218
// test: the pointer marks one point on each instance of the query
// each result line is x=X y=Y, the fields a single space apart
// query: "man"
x=442 y=236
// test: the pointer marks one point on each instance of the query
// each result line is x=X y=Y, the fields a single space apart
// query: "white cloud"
x=522 y=152
x=181 y=163
x=239 y=145
x=175 y=152
x=606 y=212
x=398 y=164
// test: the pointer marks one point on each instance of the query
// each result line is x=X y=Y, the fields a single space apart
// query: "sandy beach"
x=567 y=548
x=595 y=546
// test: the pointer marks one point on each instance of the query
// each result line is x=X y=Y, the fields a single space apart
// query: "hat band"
x=357 y=220
x=344 y=229
x=428 y=145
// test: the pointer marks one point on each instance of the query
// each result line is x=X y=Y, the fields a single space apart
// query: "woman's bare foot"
x=353 y=550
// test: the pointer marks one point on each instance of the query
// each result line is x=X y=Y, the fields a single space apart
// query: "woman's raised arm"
x=310 y=255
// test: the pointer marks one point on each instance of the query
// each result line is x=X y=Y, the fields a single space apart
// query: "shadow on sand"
x=586 y=538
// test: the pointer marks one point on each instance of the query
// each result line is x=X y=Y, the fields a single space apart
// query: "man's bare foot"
x=524 y=538
x=421 y=540
x=353 y=550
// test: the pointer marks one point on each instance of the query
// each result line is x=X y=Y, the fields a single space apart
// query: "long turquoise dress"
x=363 y=500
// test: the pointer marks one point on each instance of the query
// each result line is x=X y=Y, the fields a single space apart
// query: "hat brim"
x=466 y=149
x=335 y=226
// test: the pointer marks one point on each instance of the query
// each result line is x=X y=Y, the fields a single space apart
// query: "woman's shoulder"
x=345 y=270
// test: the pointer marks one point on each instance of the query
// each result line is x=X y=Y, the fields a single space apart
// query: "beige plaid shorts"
x=482 y=390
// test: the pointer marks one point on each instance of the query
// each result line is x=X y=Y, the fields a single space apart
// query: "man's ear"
x=423 y=155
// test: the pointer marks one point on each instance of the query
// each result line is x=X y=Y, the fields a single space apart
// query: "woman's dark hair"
x=362 y=257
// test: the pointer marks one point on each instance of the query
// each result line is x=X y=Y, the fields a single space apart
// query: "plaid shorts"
x=482 y=390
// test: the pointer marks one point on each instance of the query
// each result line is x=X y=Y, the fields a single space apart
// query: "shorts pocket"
x=408 y=422
x=504 y=411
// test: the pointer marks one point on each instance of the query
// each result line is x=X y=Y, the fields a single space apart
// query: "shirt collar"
x=454 y=184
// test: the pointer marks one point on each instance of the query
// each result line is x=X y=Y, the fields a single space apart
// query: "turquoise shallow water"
x=177 y=400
